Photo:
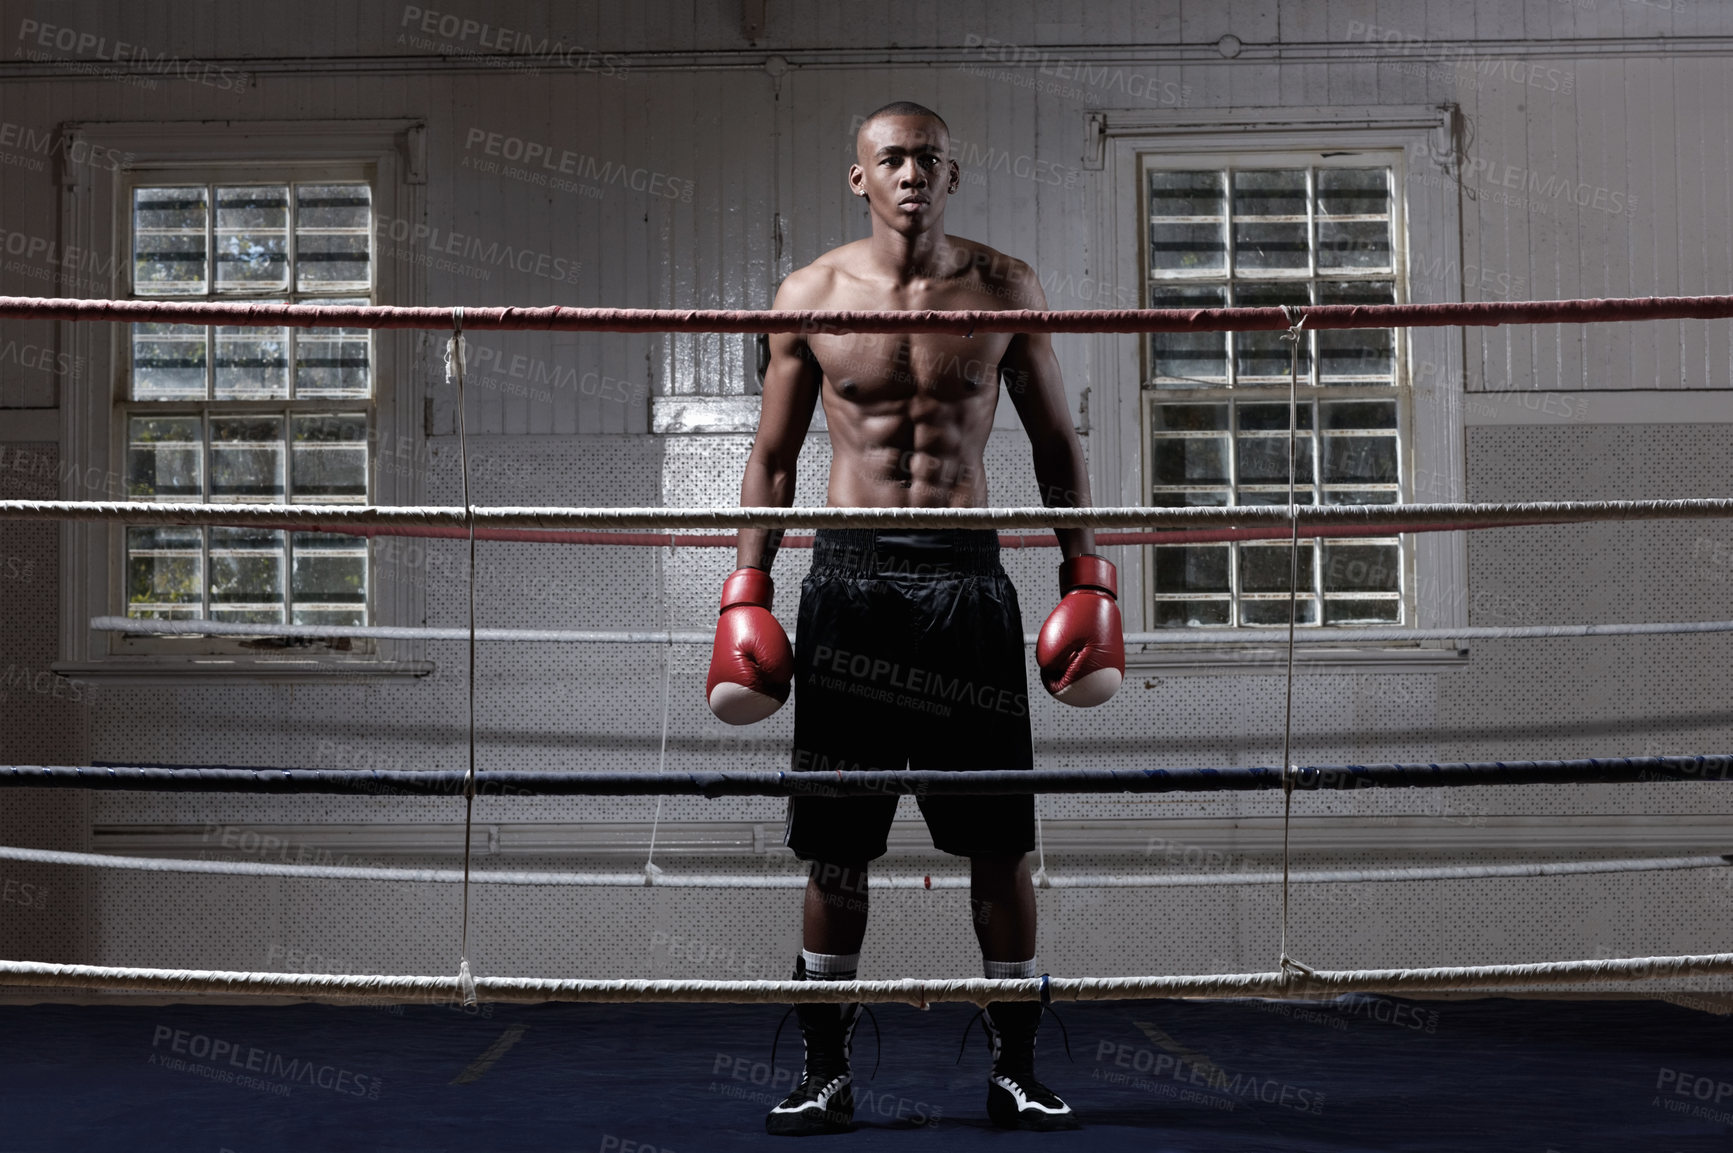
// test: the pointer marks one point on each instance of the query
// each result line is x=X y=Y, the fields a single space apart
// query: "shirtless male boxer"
x=911 y=642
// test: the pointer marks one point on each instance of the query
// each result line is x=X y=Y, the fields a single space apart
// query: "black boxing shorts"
x=909 y=654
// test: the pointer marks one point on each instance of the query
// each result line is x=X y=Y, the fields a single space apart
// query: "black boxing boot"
x=1015 y=1099
x=823 y=1102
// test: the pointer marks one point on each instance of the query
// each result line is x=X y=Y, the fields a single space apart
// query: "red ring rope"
x=1116 y=320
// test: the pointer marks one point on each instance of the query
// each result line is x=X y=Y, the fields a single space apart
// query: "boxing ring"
x=1221 y=998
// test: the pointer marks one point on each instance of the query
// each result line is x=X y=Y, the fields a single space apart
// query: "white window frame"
x=1423 y=140
x=96 y=219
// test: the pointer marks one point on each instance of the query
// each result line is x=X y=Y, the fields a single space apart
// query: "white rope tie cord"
x=974 y=990
x=1295 y=322
x=454 y=357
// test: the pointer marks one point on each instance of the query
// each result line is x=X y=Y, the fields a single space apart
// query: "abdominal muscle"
x=883 y=459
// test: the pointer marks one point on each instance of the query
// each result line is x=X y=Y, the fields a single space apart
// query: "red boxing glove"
x=751 y=664
x=1081 y=649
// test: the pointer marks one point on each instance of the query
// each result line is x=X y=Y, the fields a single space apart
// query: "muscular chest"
x=889 y=367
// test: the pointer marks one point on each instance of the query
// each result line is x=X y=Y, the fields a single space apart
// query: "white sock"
x=1009 y=970
x=830 y=966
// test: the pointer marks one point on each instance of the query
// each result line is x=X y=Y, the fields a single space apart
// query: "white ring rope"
x=975 y=990
x=1347 y=635
x=336 y=517
x=798 y=880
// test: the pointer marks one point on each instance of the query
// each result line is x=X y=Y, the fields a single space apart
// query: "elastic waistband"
x=907 y=552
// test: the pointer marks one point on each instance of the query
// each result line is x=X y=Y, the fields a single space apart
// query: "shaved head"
x=906 y=108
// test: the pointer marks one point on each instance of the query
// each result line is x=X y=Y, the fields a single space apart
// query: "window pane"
x=1360 y=414
x=330 y=579
x=1356 y=355
x=1180 y=193
x=1272 y=416
x=334 y=361
x=1191 y=460
x=1357 y=244
x=1270 y=192
x=333 y=237
x=253 y=237
x=252 y=363
x=1353 y=192
x=247 y=459
x=247 y=575
x=1264 y=460
x=1362 y=567
x=1191 y=568
x=1263 y=357
x=1191 y=614
x=1265 y=568
x=1191 y=418
x=1272 y=613
x=168 y=361
x=1186 y=245
x=168 y=241
x=164 y=458
x=328 y=458
x=1188 y=359
x=1360 y=460
x=1357 y=611
x=165 y=573
x=1269 y=247
x=1264 y=244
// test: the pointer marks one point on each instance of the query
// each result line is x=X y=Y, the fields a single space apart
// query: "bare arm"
x=791 y=386
x=1032 y=377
